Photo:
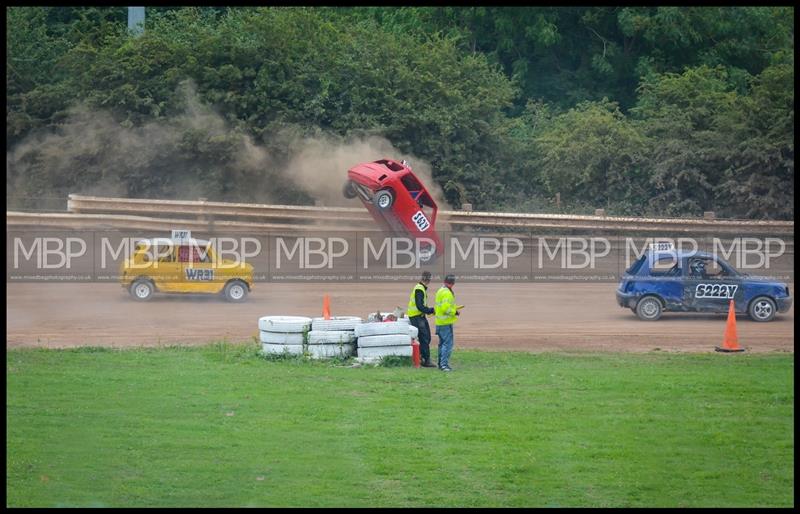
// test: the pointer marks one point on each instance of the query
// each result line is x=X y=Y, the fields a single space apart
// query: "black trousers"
x=424 y=336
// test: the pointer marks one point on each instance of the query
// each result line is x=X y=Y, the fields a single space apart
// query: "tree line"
x=639 y=110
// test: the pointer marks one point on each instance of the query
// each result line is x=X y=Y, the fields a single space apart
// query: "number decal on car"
x=421 y=221
x=725 y=291
x=199 y=274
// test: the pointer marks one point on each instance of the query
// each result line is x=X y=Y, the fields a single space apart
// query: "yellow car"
x=183 y=266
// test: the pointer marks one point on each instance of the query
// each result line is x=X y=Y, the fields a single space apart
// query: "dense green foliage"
x=219 y=426
x=641 y=110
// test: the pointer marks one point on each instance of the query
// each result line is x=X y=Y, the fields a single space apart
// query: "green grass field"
x=220 y=426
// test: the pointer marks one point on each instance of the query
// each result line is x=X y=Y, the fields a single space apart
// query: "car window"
x=413 y=185
x=667 y=265
x=713 y=268
x=726 y=268
x=140 y=253
x=634 y=268
x=193 y=253
x=391 y=165
x=706 y=268
x=190 y=253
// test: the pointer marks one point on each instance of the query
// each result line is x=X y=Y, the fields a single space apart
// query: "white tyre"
x=382 y=328
x=387 y=340
x=413 y=331
x=384 y=351
x=330 y=336
x=284 y=324
x=281 y=349
x=327 y=351
x=282 y=338
x=336 y=323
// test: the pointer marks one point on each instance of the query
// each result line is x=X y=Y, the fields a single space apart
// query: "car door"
x=713 y=291
x=166 y=271
x=199 y=272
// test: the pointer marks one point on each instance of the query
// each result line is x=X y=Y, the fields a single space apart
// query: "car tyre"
x=380 y=328
x=762 y=309
x=336 y=323
x=649 y=308
x=383 y=199
x=142 y=290
x=284 y=324
x=235 y=291
x=349 y=190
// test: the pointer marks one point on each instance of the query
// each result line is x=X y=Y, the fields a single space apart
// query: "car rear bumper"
x=626 y=300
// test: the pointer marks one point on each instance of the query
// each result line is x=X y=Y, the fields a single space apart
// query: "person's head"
x=449 y=280
x=426 y=277
x=698 y=267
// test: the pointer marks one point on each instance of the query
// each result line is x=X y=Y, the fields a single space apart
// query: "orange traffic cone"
x=326 y=307
x=730 y=343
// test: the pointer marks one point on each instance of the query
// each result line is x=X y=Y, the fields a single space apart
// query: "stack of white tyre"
x=334 y=337
x=381 y=339
x=283 y=334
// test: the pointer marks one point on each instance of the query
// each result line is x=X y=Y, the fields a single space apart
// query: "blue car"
x=697 y=282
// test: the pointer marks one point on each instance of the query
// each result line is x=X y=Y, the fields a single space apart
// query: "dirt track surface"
x=519 y=316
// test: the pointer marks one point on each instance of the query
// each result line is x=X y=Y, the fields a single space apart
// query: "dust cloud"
x=190 y=154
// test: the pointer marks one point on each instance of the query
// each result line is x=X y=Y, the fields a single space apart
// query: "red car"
x=397 y=200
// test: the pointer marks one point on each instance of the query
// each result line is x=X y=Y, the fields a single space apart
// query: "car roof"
x=681 y=254
x=167 y=241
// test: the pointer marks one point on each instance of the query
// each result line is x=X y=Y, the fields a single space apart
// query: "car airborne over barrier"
x=666 y=280
x=183 y=265
x=398 y=201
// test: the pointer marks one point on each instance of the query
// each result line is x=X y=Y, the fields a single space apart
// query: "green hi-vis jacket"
x=412 y=302
x=445 y=306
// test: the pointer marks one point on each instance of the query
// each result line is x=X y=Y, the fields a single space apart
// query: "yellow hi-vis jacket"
x=412 y=302
x=445 y=307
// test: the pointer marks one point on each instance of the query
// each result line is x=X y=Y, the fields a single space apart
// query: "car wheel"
x=649 y=308
x=349 y=190
x=235 y=291
x=762 y=309
x=383 y=199
x=142 y=290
